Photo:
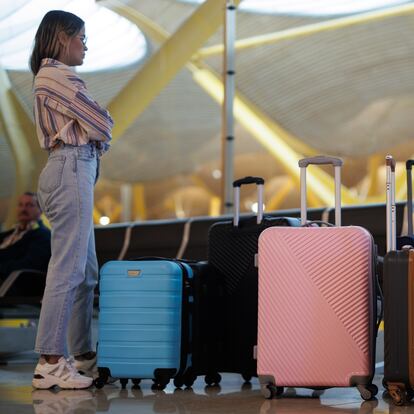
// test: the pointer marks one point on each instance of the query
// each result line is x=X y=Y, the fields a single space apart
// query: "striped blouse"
x=63 y=109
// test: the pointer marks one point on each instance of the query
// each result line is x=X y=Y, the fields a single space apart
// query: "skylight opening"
x=113 y=41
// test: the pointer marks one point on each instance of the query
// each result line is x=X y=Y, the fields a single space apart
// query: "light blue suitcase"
x=143 y=320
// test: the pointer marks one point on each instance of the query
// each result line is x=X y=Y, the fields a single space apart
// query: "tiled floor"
x=17 y=395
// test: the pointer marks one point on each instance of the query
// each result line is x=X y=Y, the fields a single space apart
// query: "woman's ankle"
x=51 y=359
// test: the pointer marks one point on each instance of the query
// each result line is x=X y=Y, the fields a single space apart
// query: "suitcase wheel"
x=246 y=377
x=159 y=386
x=189 y=379
x=124 y=382
x=317 y=393
x=270 y=391
x=212 y=379
x=104 y=374
x=99 y=382
x=178 y=382
x=160 y=382
x=397 y=393
x=368 y=391
x=136 y=382
x=186 y=379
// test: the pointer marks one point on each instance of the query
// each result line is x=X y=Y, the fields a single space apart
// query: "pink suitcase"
x=317 y=305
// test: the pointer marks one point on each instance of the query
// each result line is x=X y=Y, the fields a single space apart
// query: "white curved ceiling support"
x=264 y=133
x=113 y=42
x=320 y=8
x=164 y=65
x=311 y=29
x=160 y=35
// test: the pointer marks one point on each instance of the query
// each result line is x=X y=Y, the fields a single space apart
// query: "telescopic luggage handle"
x=409 y=165
x=320 y=160
x=236 y=189
x=390 y=204
x=248 y=180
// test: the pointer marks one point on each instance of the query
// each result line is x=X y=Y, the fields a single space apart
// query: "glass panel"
x=113 y=41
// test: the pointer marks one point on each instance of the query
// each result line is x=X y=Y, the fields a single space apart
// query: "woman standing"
x=75 y=131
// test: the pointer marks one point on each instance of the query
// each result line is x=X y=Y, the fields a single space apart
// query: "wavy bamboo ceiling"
x=348 y=91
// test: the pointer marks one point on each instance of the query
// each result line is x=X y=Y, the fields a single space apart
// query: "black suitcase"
x=205 y=332
x=398 y=299
x=232 y=248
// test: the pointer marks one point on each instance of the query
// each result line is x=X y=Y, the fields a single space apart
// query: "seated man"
x=27 y=245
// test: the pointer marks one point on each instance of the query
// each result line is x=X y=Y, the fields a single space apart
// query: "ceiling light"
x=104 y=220
x=216 y=174
x=254 y=207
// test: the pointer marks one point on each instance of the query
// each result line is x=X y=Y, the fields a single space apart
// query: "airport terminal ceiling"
x=323 y=79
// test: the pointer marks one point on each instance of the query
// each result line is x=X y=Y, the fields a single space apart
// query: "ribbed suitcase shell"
x=140 y=318
x=231 y=251
x=316 y=325
x=399 y=318
x=206 y=332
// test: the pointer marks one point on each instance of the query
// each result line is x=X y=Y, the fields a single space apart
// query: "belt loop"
x=75 y=161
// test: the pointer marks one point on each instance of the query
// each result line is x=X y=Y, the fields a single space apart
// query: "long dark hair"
x=46 y=40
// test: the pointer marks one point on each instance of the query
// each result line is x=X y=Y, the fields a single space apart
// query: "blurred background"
x=311 y=77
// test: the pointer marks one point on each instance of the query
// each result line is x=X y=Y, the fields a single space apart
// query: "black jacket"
x=32 y=251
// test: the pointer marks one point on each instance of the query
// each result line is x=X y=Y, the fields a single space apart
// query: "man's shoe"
x=62 y=374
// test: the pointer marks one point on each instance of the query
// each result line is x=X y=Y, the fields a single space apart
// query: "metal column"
x=227 y=113
x=126 y=202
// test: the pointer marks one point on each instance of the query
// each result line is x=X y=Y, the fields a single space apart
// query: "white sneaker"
x=63 y=374
x=63 y=401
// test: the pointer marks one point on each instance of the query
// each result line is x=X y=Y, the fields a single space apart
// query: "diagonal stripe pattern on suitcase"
x=314 y=306
x=347 y=269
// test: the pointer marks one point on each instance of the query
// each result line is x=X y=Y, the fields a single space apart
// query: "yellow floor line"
x=14 y=323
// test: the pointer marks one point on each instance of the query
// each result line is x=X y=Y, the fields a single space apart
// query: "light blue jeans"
x=65 y=192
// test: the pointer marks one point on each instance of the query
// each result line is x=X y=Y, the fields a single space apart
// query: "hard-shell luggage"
x=143 y=320
x=407 y=240
x=398 y=302
x=205 y=332
x=232 y=247
x=317 y=303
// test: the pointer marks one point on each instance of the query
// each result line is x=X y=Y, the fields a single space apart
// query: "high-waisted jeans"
x=65 y=192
